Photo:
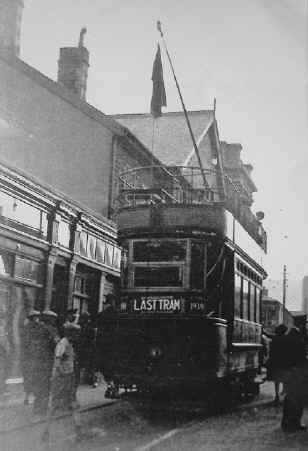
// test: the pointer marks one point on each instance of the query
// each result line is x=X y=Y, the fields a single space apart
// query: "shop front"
x=53 y=254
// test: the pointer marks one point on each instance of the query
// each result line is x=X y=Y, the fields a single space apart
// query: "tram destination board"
x=162 y=304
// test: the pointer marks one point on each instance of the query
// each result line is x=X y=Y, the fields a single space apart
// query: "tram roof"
x=172 y=142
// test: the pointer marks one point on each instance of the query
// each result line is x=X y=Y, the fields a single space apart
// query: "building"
x=59 y=163
x=47 y=128
x=305 y=295
x=54 y=253
x=273 y=314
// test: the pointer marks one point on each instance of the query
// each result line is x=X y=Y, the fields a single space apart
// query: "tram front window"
x=165 y=276
x=159 y=250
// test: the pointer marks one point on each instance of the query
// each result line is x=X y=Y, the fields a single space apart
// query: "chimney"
x=73 y=67
x=10 y=25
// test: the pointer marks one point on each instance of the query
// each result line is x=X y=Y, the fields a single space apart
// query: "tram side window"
x=258 y=304
x=245 y=300
x=238 y=296
x=252 y=312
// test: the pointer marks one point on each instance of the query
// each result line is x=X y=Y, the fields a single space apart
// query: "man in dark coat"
x=277 y=364
x=294 y=382
x=43 y=343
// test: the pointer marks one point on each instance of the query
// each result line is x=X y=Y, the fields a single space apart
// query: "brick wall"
x=53 y=140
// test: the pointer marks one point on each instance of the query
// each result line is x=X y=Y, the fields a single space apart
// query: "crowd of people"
x=50 y=349
x=54 y=354
x=287 y=367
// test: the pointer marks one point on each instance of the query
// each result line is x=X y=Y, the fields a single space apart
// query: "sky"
x=249 y=54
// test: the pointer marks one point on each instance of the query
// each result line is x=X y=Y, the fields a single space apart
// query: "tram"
x=188 y=315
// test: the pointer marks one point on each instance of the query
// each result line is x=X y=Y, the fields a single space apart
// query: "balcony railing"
x=181 y=185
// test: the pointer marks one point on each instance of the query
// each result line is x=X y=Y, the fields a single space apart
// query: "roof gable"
x=169 y=140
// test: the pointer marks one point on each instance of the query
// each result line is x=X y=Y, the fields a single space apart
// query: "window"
x=165 y=276
x=159 y=262
x=159 y=250
x=197 y=264
x=238 y=296
x=252 y=302
x=27 y=269
x=64 y=234
x=258 y=303
x=6 y=264
x=23 y=213
x=245 y=300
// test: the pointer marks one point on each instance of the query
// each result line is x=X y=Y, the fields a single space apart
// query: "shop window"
x=109 y=254
x=64 y=234
x=117 y=258
x=27 y=269
x=23 y=213
x=83 y=244
x=100 y=251
x=91 y=247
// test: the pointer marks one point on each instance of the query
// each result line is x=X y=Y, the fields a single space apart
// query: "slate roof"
x=172 y=141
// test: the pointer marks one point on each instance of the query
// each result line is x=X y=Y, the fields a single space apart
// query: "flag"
x=159 y=93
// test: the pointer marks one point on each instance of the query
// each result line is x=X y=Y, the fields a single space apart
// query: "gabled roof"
x=172 y=143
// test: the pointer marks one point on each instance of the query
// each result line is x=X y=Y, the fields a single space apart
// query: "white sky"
x=249 y=54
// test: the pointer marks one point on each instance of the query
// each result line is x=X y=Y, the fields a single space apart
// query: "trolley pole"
x=284 y=293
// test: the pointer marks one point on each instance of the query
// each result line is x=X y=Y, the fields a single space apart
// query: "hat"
x=50 y=313
x=33 y=312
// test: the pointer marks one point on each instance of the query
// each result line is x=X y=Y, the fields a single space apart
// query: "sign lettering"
x=157 y=305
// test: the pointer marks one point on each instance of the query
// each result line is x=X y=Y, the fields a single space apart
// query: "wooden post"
x=101 y=292
x=71 y=281
x=50 y=265
x=284 y=293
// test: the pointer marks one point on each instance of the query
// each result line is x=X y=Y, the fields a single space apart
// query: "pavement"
x=14 y=415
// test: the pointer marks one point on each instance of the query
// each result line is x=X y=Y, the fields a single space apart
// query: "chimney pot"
x=10 y=25
x=73 y=67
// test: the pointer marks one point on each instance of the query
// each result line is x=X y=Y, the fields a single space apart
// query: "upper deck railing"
x=182 y=185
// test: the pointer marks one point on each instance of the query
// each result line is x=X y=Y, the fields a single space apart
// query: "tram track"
x=184 y=412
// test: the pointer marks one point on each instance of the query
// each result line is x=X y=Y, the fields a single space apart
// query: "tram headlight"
x=155 y=352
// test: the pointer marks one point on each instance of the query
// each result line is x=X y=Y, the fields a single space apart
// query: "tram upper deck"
x=185 y=199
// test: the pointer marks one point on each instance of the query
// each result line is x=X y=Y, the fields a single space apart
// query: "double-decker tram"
x=188 y=315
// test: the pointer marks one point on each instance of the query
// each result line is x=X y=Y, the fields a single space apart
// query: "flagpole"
x=183 y=106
